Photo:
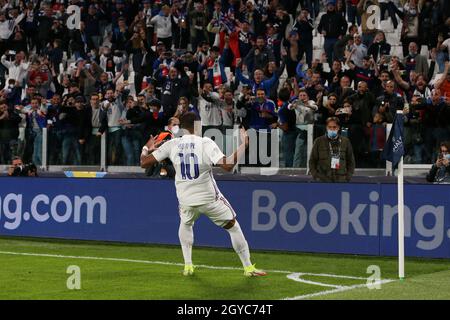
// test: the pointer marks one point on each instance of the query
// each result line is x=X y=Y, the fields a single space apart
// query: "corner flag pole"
x=401 y=220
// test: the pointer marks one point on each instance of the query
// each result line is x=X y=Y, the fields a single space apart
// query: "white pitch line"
x=339 y=289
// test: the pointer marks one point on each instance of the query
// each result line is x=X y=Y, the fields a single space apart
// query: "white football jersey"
x=193 y=158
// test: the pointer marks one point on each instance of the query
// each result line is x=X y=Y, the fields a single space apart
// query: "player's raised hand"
x=152 y=144
x=244 y=136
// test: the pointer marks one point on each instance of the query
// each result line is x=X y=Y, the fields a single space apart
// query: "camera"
x=28 y=170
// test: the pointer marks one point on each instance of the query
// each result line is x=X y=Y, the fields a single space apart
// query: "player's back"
x=193 y=158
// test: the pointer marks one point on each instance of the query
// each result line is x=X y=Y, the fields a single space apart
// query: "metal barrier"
x=276 y=134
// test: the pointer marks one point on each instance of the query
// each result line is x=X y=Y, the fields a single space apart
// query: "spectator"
x=262 y=116
x=376 y=134
x=36 y=121
x=238 y=48
x=379 y=47
x=358 y=51
x=131 y=137
x=304 y=113
x=332 y=26
x=18 y=68
x=97 y=125
x=163 y=25
x=9 y=132
x=414 y=61
x=367 y=27
x=332 y=157
x=413 y=130
x=286 y=122
x=258 y=81
x=388 y=103
x=209 y=107
x=410 y=29
x=436 y=123
x=198 y=23
x=440 y=171
x=173 y=87
x=113 y=107
x=366 y=73
x=259 y=56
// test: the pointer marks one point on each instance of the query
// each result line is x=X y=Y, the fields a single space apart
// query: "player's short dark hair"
x=284 y=94
x=187 y=121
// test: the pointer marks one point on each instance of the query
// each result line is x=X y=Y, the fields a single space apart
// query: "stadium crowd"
x=129 y=68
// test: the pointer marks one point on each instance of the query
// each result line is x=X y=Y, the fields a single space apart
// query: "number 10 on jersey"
x=186 y=165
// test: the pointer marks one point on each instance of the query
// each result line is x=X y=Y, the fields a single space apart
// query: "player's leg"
x=186 y=236
x=240 y=246
x=222 y=214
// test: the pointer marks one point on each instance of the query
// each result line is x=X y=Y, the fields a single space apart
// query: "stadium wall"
x=292 y=216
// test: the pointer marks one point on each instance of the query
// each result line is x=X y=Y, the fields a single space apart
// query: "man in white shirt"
x=163 y=24
x=7 y=25
x=193 y=158
x=358 y=51
x=18 y=68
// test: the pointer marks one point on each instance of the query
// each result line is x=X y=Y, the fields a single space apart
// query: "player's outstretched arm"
x=228 y=163
x=147 y=159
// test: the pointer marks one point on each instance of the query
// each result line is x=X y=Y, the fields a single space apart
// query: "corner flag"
x=395 y=148
x=393 y=152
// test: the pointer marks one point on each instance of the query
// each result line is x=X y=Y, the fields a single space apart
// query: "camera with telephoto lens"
x=28 y=170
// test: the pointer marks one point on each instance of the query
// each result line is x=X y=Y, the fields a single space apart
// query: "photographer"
x=9 y=132
x=17 y=169
x=440 y=171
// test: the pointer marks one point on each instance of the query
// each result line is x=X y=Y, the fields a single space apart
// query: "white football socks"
x=240 y=245
x=186 y=235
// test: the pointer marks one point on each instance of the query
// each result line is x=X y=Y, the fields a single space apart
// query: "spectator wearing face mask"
x=165 y=169
x=440 y=171
x=332 y=158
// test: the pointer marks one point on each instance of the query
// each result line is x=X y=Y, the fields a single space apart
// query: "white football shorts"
x=219 y=212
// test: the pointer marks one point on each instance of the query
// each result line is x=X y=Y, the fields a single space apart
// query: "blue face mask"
x=332 y=134
x=447 y=156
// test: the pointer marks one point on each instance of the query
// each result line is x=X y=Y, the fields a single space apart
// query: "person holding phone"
x=440 y=171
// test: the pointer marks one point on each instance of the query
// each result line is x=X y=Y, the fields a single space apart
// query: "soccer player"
x=193 y=158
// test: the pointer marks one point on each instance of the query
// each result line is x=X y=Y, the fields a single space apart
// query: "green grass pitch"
x=37 y=269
